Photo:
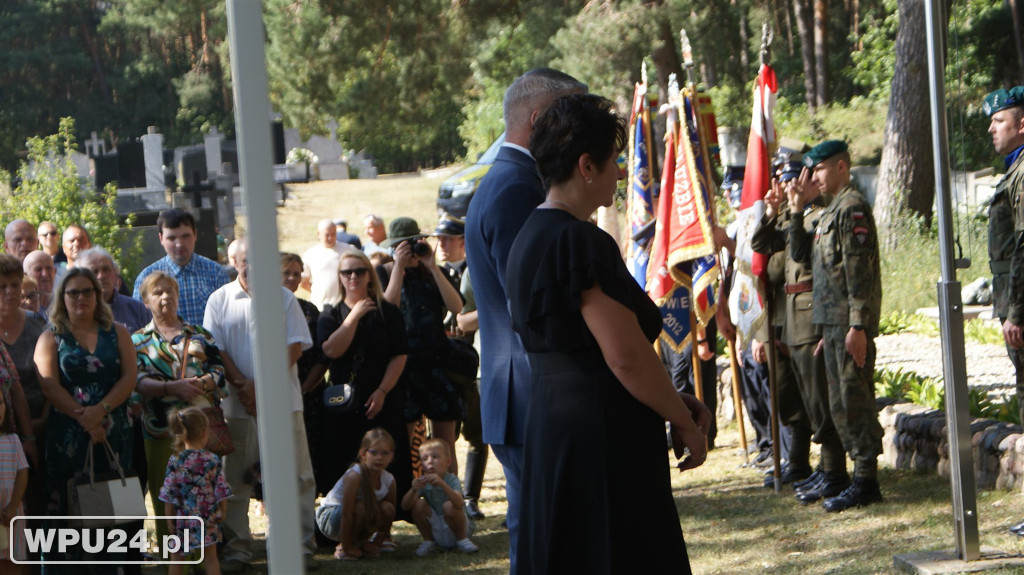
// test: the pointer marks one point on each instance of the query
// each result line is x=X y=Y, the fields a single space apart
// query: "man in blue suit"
x=508 y=193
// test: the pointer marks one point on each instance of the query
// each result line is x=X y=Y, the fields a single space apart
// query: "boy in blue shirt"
x=436 y=502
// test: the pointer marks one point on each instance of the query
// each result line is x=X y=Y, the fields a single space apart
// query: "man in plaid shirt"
x=197 y=276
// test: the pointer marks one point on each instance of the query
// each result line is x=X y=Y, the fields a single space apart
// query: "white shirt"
x=320 y=265
x=230 y=319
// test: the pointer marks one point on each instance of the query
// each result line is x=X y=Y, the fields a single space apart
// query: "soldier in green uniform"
x=1005 y=109
x=847 y=298
x=788 y=228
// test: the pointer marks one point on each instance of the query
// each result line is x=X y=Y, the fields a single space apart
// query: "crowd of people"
x=382 y=371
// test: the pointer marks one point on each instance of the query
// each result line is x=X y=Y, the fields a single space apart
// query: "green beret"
x=1003 y=99
x=824 y=151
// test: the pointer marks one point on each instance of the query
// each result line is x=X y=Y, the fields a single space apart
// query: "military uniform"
x=792 y=413
x=793 y=232
x=848 y=292
x=1006 y=258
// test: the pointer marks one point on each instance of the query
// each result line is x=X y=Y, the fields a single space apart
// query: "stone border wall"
x=915 y=438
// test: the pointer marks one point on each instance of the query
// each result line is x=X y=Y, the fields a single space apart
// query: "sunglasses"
x=77 y=293
x=358 y=272
x=47 y=234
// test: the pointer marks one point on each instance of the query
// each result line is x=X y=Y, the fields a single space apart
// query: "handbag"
x=111 y=493
x=218 y=439
x=342 y=398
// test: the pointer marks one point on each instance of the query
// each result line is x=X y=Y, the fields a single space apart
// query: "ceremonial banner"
x=747 y=297
x=640 y=203
x=682 y=253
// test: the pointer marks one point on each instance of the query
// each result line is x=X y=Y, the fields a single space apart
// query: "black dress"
x=596 y=494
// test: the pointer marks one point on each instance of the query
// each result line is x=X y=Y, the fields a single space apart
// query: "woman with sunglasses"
x=364 y=343
x=86 y=365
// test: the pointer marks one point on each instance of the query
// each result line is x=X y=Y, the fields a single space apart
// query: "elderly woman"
x=160 y=349
x=364 y=342
x=595 y=474
x=86 y=367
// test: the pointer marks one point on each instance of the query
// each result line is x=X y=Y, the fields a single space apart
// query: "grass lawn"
x=732 y=524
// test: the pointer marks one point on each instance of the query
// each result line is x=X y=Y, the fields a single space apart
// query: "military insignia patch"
x=858 y=215
x=861 y=234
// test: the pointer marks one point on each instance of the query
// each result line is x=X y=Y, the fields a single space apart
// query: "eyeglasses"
x=77 y=293
x=31 y=296
x=358 y=272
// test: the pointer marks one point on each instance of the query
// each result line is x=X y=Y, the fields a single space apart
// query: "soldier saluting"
x=1005 y=109
x=847 y=303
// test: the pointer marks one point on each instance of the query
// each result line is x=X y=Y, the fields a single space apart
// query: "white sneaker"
x=427 y=548
x=466 y=546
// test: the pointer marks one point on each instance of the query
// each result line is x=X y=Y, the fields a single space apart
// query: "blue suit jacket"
x=507 y=195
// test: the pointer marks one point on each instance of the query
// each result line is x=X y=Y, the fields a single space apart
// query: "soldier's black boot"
x=830 y=485
x=861 y=492
x=1017 y=529
x=476 y=463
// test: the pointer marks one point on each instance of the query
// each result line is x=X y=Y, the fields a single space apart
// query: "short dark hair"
x=11 y=266
x=173 y=218
x=574 y=125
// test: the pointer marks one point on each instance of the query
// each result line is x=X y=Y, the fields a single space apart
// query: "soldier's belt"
x=999 y=267
x=801 y=287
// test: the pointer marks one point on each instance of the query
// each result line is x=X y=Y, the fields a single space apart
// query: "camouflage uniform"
x=848 y=292
x=792 y=232
x=1006 y=258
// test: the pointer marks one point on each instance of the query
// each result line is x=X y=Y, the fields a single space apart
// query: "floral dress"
x=194 y=485
x=88 y=377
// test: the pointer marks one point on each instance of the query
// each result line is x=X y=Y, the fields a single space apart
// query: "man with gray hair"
x=375 y=234
x=130 y=313
x=20 y=239
x=507 y=195
x=39 y=266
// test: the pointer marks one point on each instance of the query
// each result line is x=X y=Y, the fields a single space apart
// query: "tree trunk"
x=744 y=40
x=805 y=28
x=821 y=52
x=788 y=17
x=906 y=181
x=1018 y=31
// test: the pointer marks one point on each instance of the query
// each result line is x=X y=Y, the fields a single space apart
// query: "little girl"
x=194 y=485
x=359 y=510
x=13 y=481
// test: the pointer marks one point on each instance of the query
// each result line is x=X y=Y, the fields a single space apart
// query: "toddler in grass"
x=359 y=510
x=194 y=485
x=436 y=503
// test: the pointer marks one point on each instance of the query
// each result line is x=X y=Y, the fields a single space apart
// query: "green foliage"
x=928 y=392
x=51 y=189
x=983 y=331
x=897 y=321
x=909 y=386
x=875 y=62
x=910 y=266
x=983 y=406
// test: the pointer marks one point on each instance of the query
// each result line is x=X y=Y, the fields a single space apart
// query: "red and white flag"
x=747 y=297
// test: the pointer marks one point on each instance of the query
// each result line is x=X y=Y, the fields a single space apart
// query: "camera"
x=419 y=248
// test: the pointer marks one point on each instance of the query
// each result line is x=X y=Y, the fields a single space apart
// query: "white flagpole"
x=277 y=441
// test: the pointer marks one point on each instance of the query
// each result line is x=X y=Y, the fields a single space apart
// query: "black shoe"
x=829 y=486
x=763 y=456
x=472 y=510
x=810 y=480
x=861 y=492
x=1017 y=529
x=789 y=475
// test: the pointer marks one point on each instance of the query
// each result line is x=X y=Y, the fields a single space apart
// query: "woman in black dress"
x=597 y=496
x=363 y=340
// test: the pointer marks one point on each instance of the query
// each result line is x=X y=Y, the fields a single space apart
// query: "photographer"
x=423 y=293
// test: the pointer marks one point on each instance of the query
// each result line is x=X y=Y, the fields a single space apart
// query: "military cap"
x=788 y=159
x=1002 y=99
x=824 y=151
x=450 y=226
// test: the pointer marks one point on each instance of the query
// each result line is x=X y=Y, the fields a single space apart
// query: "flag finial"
x=767 y=35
